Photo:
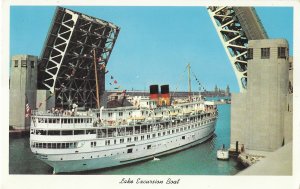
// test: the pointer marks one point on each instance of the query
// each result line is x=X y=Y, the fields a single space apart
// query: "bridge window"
x=250 y=54
x=16 y=63
x=32 y=64
x=23 y=63
x=265 y=53
x=282 y=52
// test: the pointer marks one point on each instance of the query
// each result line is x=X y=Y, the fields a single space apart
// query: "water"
x=198 y=160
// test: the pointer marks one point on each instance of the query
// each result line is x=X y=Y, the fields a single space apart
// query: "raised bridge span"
x=75 y=40
x=235 y=27
x=77 y=48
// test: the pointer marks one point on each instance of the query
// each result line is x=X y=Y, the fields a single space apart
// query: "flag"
x=124 y=92
x=106 y=72
x=27 y=108
x=111 y=77
x=115 y=81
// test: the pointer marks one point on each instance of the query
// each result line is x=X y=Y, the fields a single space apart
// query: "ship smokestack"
x=154 y=93
x=165 y=96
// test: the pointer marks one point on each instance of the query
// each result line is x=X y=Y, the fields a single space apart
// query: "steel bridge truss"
x=67 y=66
x=235 y=26
x=233 y=39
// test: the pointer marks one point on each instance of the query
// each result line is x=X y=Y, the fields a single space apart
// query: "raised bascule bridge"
x=261 y=115
x=74 y=57
x=75 y=41
x=235 y=27
x=72 y=66
x=67 y=68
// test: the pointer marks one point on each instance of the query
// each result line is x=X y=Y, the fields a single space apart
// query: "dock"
x=274 y=163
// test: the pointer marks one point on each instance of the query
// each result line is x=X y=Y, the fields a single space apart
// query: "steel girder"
x=66 y=66
x=235 y=26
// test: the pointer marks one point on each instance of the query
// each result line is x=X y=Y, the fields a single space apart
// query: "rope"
x=200 y=85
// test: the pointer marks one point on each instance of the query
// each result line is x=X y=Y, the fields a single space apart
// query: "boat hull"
x=117 y=156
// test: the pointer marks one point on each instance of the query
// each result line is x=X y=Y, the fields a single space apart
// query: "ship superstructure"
x=76 y=140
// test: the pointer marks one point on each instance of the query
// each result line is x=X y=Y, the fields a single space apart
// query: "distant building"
x=261 y=117
x=227 y=92
x=216 y=89
x=22 y=89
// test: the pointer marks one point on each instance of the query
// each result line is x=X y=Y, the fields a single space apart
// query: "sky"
x=155 y=44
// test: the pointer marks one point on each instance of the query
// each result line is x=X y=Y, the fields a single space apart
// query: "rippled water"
x=198 y=160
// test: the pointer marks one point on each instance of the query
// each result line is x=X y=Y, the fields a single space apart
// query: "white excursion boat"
x=108 y=137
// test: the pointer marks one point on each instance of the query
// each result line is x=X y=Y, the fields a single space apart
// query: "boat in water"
x=223 y=154
x=107 y=137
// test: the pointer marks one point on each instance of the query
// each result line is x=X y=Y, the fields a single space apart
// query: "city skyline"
x=155 y=43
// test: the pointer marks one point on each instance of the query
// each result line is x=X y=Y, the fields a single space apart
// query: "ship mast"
x=189 y=80
x=96 y=78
